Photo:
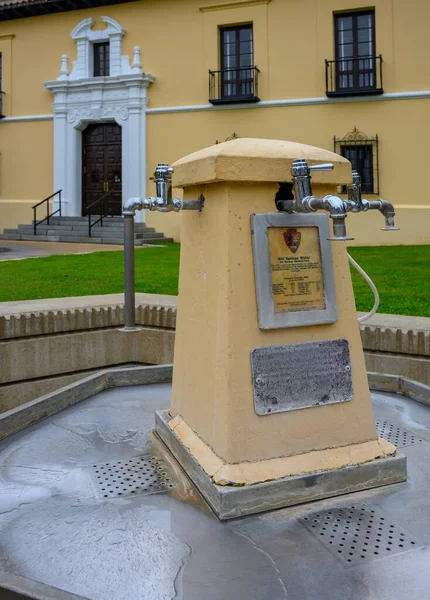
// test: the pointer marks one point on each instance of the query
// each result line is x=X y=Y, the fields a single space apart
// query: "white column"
x=115 y=54
x=60 y=151
x=141 y=217
x=134 y=147
x=81 y=65
x=74 y=172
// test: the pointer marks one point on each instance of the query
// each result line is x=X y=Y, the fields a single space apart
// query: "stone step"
x=17 y=235
x=159 y=240
x=96 y=230
x=73 y=224
x=117 y=218
x=70 y=224
x=102 y=232
x=138 y=241
x=148 y=235
x=81 y=226
x=10 y=236
x=40 y=238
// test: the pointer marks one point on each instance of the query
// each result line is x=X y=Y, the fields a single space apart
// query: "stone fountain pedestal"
x=270 y=403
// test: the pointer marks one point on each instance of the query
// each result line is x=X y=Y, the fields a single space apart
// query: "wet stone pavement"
x=92 y=503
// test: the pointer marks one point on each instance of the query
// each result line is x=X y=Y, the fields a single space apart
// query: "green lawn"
x=89 y=274
x=401 y=274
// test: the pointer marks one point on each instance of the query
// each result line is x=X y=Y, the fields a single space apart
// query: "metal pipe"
x=130 y=206
x=354 y=194
x=129 y=298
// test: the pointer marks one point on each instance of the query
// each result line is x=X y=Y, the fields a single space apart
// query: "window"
x=362 y=152
x=237 y=79
x=356 y=68
x=355 y=50
x=101 y=59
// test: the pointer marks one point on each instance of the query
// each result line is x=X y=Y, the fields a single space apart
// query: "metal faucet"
x=163 y=200
x=359 y=204
x=305 y=202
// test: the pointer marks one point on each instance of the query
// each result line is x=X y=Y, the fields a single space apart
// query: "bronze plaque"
x=296 y=269
x=299 y=376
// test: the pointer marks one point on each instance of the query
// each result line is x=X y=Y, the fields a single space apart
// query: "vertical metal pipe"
x=129 y=302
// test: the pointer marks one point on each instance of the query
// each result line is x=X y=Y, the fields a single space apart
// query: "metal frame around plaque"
x=267 y=317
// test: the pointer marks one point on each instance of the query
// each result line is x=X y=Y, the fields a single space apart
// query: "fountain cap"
x=257 y=160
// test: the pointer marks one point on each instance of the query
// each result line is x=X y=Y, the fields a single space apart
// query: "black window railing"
x=354 y=76
x=234 y=85
x=2 y=116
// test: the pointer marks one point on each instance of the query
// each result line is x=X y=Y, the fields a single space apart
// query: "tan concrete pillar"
x=232 y=453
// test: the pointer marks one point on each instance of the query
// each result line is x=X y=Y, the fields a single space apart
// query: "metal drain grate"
x=138 y=475
x=396 y=435
x=358 y=535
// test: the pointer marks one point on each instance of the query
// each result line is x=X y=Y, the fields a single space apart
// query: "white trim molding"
x=227 y=5
x=290 y=102
x=80 y=99
x=157 y=110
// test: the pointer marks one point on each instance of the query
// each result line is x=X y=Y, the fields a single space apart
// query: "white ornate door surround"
x=80 y=98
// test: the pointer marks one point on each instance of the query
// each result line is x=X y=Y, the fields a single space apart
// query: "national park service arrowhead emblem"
x=292 y=238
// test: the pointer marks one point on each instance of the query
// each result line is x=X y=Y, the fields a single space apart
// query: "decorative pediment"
x=85 y=36
x=84 y=29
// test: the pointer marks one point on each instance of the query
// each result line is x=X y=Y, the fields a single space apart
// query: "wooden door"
x=101 y=161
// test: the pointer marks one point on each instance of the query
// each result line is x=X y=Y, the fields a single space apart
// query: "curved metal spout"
x=387 y=209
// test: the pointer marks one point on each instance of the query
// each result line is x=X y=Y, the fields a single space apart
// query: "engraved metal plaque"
x=301 y=376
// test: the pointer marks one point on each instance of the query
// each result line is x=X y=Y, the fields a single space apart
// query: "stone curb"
x=382 y=382
x=29 y=324
x=378 y=338
x=383 y=333
x=31 y=412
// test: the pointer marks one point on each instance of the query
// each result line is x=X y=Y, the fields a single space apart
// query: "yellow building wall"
x=316 y=125
x=179 y=40
x=180 y=43
x=25 y=170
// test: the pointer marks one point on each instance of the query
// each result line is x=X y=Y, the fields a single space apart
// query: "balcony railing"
x=354 y=76
x=1 y=105
x=233 y=85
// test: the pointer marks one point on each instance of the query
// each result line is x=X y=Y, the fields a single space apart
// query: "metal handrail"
x=332 y=76
x=100 y=201
x=48 y=216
